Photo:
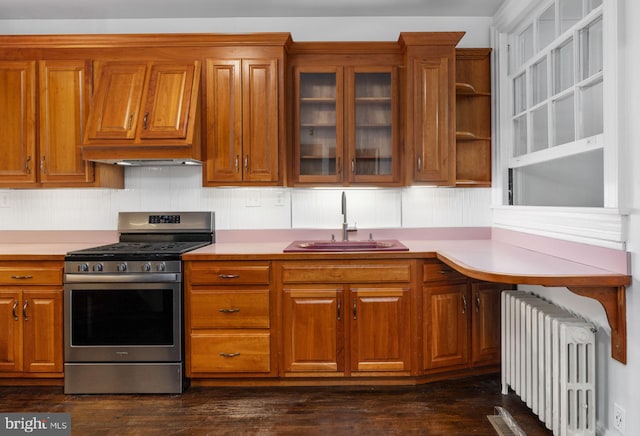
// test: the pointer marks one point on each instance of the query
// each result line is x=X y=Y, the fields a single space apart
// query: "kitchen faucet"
x=345 y=224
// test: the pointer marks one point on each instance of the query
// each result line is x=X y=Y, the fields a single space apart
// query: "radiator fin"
x=548 y=359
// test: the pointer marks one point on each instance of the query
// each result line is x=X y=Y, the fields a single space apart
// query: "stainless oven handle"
x=122 y=278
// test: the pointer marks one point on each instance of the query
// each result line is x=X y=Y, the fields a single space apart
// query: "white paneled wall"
x=180 y=188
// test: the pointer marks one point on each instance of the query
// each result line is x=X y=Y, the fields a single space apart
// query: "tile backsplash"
x=179 y=188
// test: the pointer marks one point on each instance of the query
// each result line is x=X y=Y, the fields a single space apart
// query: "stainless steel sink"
x=332 y=245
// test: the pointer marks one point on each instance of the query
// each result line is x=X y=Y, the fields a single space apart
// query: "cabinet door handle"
x=229 y=354
x=144 y=120
x=237 y=163
x=354 y=310
x=43 y=168
x=339 y=309
x=24 y=310
x=27 y=165
x=228 y=276
x=13 y=310
x=229 y=310
x=419 y=164
x=353 y=166
x=339 y=166
x=477 y=302
x=21 y=277
x=130 y=121
x=246 y=163
x=464 y=304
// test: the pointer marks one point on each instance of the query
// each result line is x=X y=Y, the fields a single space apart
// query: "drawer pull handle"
x=229 y=354
x=229 y=310
x=13 y=310
x=21 y=277
x=228 y=276
x=445 y=271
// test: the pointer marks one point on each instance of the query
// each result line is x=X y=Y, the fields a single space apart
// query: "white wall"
x=178 y=188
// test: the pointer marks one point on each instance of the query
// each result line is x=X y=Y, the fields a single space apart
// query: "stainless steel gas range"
x=124 y=305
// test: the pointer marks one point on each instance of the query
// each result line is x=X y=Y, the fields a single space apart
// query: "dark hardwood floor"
x=457 y=407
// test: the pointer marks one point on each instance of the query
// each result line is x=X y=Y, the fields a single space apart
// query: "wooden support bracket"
x=613 y=299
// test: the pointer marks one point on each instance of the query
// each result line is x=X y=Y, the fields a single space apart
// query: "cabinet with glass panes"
x=346 y=131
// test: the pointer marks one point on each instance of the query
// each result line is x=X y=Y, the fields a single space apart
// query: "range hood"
x=150 y=162
x=145 y=113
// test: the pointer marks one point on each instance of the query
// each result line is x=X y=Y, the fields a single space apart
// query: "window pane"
x=539 y=81
x=564 y=125
x=570 y=13
x=540 y=129
x=591 y=49
x=574 y=181
x=546 y=27
x=592 y=121
x=526 y=45
x=563 y=67
x=519 y=94
x=520 y=136
x=592 y=4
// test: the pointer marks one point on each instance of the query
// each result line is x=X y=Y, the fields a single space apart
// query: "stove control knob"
x=97 y=267
x=122 y=267
x=83 y=267
x=162 y=267
x=147 y=267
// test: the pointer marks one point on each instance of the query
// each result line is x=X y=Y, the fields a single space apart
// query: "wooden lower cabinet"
x=461 y=320
x=31 y=328
x=344 y=319
x=228 y=311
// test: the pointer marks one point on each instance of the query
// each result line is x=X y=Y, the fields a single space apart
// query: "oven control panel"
x=122 y=267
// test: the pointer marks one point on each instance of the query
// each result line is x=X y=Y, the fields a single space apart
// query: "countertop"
x=481 y=253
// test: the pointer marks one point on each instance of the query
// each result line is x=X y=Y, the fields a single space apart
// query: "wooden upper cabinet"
x=65 y=92
x=18 y=115
x=430 y=119
x=346 y=124
x=243 y=121
x=165 y=113
x=116 y=104
x=473 y=117
x=143 y=100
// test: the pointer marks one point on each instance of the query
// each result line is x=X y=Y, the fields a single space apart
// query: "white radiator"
x=548 y=359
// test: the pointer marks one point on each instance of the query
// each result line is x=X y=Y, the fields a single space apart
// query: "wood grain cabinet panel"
x=31 y=326
x=243 y=121
x=228 y=317
x=313 y=336
x=18 y=114
x=346 y=319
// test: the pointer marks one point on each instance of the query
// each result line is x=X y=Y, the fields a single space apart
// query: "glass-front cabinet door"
x=319 y=125
x=346 y=129
x=372 y=137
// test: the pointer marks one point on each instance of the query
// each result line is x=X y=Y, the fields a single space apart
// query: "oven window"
x=122 y=317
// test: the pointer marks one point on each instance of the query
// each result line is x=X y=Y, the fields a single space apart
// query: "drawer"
x=229 y=273
x=348 y=273
x=31 y=276
x=436 y=271
x=229 y=308
x=230 y=352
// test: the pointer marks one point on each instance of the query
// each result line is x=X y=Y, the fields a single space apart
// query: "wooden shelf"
x=467 y=89
x=469 y=136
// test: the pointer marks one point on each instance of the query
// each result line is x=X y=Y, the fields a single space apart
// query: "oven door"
x=123 y=322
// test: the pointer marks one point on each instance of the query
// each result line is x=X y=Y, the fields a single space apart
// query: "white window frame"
x=603 y=226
